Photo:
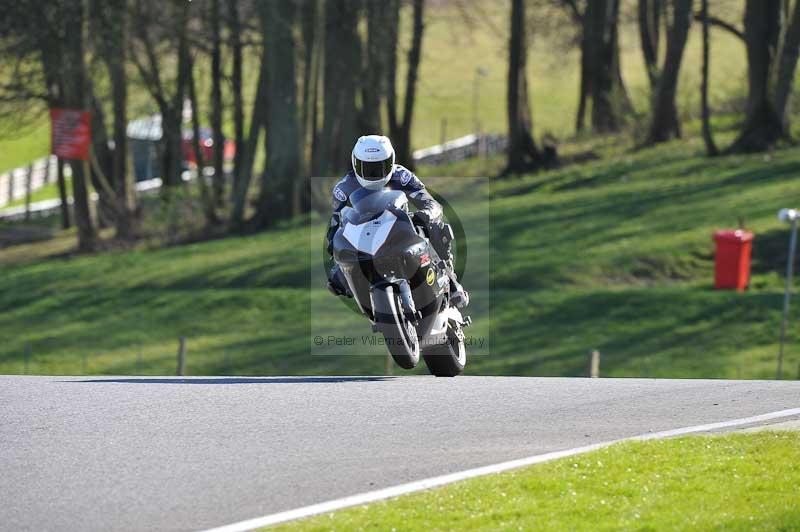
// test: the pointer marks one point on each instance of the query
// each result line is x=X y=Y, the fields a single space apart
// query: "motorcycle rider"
x=373 y=168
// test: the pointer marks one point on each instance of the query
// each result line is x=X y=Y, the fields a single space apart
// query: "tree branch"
x=719 y=23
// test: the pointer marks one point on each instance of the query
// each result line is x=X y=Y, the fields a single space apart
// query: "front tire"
x=399 y=333
x=449 y=358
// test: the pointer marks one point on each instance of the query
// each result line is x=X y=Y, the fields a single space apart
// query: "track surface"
x=187 y=454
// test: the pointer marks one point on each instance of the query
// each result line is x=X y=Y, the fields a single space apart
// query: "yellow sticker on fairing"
x=430 y=277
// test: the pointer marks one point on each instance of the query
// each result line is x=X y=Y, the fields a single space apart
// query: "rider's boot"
x=459 y=297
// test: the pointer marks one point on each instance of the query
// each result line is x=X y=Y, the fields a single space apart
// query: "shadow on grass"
x=235 y=380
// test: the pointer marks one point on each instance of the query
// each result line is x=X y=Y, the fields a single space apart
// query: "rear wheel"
x=449 y=358
x=399 y=333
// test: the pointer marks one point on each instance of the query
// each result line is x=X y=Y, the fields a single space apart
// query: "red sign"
x=70 y=133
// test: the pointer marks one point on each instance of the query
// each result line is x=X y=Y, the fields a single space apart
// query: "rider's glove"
x=422 y=217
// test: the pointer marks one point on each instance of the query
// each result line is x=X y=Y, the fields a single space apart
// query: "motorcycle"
x=399 y=282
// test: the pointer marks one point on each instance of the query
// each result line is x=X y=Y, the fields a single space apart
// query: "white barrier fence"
x=461 y=148
x=16 y=183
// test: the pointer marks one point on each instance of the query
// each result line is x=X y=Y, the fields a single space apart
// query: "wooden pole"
x=594 y=364
x=27 y=356
x=181 y=356
x=389 y=365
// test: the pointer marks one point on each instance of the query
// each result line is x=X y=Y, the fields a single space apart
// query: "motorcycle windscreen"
x=367 y=202
x=370 y=236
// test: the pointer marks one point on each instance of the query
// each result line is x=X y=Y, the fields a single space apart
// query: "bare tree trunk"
x=216 y=104
x=342 y=58
x=101 y=164
x=708 y=137
x=111 y=27
x=372 y=88
x=665 y=123
x=257 y=118
x=522 y=152
x=72 y=70
x=170 y=106
x=600 y=67
x=313 y=21
x=235 y=28
x=392 y=36
x=787 y=67
x=402 y=142
x=282 y=125
x=763 y=127
x=650 y=35
x=205 y=196
x=308 y=21
x=583 y=97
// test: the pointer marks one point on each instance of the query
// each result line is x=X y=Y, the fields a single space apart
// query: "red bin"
x=732 y=262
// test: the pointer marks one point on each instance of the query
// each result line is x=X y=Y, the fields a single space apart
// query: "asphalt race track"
x=122 y=453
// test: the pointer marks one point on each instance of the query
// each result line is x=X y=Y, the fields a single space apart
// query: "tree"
x=601 y=77
x=665 y=123
x=216 y=103
x=70 y=19
x=522 y=152
x=162 y=27
x=342 y=57
x=209 y=210
x=235 y=43
x=400 y=129
x=282 y=119
x=373 y=86
x=708 y=138
x=772 y=52
x=649 y=13
x=260 y=109
x=111 y=28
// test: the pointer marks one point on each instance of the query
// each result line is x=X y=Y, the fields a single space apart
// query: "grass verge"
x=732 y=482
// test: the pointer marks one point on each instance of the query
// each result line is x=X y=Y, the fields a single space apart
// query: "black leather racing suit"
x=429 y=215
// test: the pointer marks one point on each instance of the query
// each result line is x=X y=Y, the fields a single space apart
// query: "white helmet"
x=373 y=161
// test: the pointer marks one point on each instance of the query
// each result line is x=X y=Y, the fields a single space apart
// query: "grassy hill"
x=614 y=254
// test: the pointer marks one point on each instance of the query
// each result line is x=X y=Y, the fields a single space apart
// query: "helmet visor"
x=374 y=170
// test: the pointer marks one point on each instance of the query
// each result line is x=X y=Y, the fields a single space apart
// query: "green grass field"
x=734 y=482
x=614 y=255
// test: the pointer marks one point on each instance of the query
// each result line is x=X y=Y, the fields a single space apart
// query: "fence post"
x=594 y=364
x=48 y=175
x=28 y=190
x=181 y=356
x=11 y=175
x=388 y=368
x=62 y=193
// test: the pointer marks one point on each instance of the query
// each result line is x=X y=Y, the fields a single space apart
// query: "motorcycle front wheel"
x=446 y=359
x=399 y=333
